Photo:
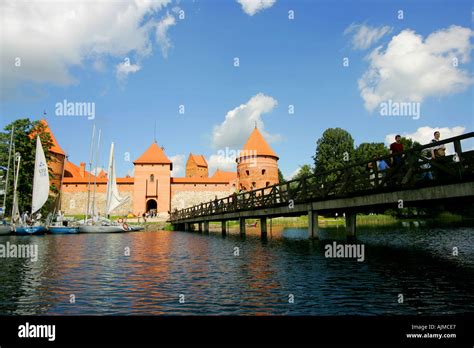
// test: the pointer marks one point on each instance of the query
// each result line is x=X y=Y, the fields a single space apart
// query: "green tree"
x=367 y=151
x=24 y=143
x=335 y=149
x=305 y=170
x=409 y=143
x=281 y=178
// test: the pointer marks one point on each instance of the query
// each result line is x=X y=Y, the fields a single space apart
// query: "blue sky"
x=289 y=62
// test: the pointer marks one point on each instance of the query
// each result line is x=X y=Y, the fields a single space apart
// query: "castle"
x=152 y=188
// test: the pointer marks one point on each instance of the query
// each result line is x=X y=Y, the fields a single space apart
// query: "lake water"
x=165 y=269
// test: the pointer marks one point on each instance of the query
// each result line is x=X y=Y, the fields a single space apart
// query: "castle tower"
x=152 y=184
x=257 y=164
x=196 y=167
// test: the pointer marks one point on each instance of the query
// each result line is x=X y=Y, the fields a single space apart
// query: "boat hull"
x=29 y=230
x=5 y=229
x=63 y=230
x=101 y=229
x=136 y=228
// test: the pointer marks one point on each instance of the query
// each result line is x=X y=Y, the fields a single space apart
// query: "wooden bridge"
x=417 y=180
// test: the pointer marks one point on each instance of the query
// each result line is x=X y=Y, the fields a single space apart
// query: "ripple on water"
x=162 y=265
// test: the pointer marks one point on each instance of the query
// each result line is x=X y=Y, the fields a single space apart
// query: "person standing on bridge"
x=440 y=150
x=396 y=149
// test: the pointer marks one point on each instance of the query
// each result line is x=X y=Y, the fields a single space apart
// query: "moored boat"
x=29 y=230
x=5 y=230
x=101 y=229
x=63 y=229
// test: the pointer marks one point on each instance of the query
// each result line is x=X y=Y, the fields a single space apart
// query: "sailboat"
x=40 y=191
x=113 y=201
x=60 y=226
x=6 y=228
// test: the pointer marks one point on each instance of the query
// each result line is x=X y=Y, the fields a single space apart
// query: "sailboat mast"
x=90 y=168
x=15 y=184
x=8 y=171
x=96 y=168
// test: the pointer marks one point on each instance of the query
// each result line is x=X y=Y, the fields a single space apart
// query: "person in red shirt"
x=396 y=148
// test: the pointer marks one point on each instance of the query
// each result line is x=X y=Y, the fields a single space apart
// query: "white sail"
x=113 y=198
x=40 y=180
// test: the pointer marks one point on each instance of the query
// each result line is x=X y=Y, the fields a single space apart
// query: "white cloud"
x=178 y=165
x=424 y=135
x=365 y=36
x=240 y=121
x=251 y=7
x=410 y=69
x=50 y=38
x=223 y=162
x=125 y=68
x=161 y=33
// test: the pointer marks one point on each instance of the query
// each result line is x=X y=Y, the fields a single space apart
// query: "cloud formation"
x=178 y=165
x=162 y=33
x=412 y=69
x=240 y=121
x=364 y=36
x=251 y=7
x=42 y=41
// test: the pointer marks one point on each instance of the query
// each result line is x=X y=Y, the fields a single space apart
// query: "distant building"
x=196 y=167
x=153 y=188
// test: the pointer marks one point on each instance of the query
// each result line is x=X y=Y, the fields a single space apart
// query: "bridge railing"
x=413 y=168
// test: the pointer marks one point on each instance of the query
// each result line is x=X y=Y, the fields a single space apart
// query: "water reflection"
x=160 y=266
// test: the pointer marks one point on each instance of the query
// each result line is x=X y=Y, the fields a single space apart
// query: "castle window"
x=263 y=171
x=152 y=178
x=253 y=184
x=248 y=173
x=267 y=183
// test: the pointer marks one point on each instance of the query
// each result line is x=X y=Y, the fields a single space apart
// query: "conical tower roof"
x=257 y=143
x=153 y=155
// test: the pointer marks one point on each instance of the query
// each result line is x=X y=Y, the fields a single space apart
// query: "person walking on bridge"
x=396 y=149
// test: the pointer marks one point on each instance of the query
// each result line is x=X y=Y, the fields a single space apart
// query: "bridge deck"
x=416 y=181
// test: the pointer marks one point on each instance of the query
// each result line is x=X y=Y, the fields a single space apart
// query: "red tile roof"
x=55 y=148
x=257 y=143
x=197 y=180
x=78 y=179
x=153 y=155
x=222 y=175
x=199 y=160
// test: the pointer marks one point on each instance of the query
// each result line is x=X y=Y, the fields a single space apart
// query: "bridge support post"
x=263 y=227
x=186 y=227
x=313 y=228
x=351 y=225
x=223 y=228
x=242 y=226
x=200 y=227
x=206 y=226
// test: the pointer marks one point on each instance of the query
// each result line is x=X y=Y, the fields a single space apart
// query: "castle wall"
x=74 y=198
x=74 y=203
x=186 y=195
